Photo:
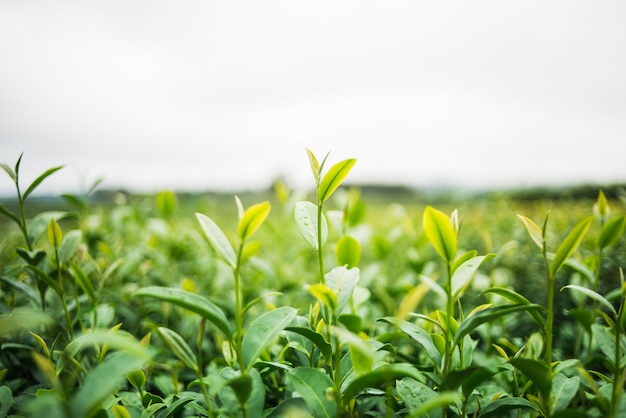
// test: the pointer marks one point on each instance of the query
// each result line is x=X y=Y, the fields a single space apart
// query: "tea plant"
x=310 y=308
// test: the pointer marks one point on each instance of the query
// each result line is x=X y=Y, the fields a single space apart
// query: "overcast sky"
x=227 y=94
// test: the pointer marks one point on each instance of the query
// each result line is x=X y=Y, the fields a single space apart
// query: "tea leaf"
x=440 y=233
x=55 y=235
x=486 y=315
x=263 y=331
x=179 y=347
x=537 y=371
x=22 y=287
x=569 y=245
x=348 y=251
x=563 y=391
x=23 y=319
x=70 y=243
x=38 y=181
x=316 y=338
x=342 y=281
x=593 y=295
x=333 y=178
x=386 y=374
x=501 y=405
x=6 y=400
x=325 y=295
x=533 y=230
x=419 y=335
x=191 y=301
x=313 y=386
x=8 y=170
x=443 y=399
x=306 y=220
x=166 y=203
x=601 y=207
x=315 y=166
x=465 y=272
x=515 y=297
x=10 y=214
x=242 y=386
x=83 y=281
x=102 y=381
x=120 y=411
x=611 y=232
x=217 y=239
x=252 y=218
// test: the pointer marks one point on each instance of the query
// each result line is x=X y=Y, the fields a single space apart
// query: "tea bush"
x=311 y=305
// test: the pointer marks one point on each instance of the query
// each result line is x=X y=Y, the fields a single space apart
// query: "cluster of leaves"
x=135 y=312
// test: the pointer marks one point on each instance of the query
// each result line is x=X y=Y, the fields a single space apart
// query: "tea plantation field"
x=338 y=301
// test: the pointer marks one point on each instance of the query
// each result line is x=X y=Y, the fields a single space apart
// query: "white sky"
x=227 y=94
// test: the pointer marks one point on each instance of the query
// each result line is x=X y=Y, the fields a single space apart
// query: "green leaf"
x=102 y=382
x=137 y=378
x=611 y=232
x=242 y=386
x=593 y=295
x=415 y=394
x=191 y=301
x=316 y=338
x=440 y=233
x=252 y=218
x=306 y=220
x=55 y=235
x=348 y=251
x=315 y=387
x=42 y=275
x=6 y=399
x=361 y=352
x=263 y=331
x=38 y=181
x=117 y=340
x=39 y=224
x=179 y=347
x=22 y=287
x=465 y=272
x=291 y=408
x=601 y=207
x=563 y=391
x=420 y=336
x=217 y=239
x=498 y=407
x=70 y=243
x=342 y=281
x=486 y=315
x=515 y=297
x=325 y=295
x=538 y=372
x=83 y=281
x=8 y=170
x=386 y=374
x=166 y=203
x=569 y=245
x=315 y=166
x=442 y=400
x=533 y=230
x=23 y=319
x=333 y=178
x=10 y=214
x=468 y=379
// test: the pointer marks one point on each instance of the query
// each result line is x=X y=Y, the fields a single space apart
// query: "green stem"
x=238 y=311
x=203 y=386
x=449 y=313
x=320 y=255
x=617 y=372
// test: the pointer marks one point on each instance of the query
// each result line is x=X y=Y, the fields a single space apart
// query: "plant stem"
x=238 y=311
x=205 y=392
x=320 y=255
x=449 y=314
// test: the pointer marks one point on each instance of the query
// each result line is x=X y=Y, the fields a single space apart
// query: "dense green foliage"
x=319 y=304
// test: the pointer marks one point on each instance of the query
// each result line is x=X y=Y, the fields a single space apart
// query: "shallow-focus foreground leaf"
x=23 y=319
x=611 y=231
x=533 y=230
x=315 y=387
x=306 y=220
x=263 y=331
x=333 y=178
x=217 y=239
x=102 y=381
x=348 y=251
x=569 y=244
x=252 y=218
x=440 y=233
x=191 y=301
x=6 y=399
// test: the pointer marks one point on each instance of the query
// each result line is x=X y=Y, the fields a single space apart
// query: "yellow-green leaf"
x=611 y=232
x=252 y=218
x=533 y=230
x=440 y=232
x=348 y=251
x=333 y=178
x=569 y=245
x=55 y=235
x=315 y=166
